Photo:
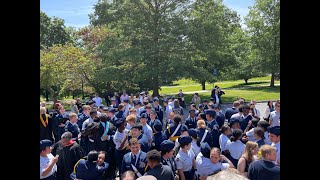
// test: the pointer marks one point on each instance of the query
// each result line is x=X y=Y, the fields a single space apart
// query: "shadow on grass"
x=246 y=85
x=263 y=89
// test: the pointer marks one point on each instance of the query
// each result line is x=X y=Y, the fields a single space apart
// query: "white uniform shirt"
x=195 y=148
x=184 y=161
x=168 y=111
x=236 y=115
x=147 y=131
x=277 y=146
x=86 y=122
x=257 y=112
x=206 y=167
x=217 y=99
x=275 y=117
x=250 y=135
x=126 y=110
x=171 y=104
x=98 y=101
x=119 y=137
x=44 y=163
x=236 y=148
x=223 y=141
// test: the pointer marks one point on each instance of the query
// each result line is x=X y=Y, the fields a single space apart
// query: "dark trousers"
x=189 y=174
x=52 y=177
x=119 y=157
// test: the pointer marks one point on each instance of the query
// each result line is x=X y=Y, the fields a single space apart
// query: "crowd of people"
x=134 y=137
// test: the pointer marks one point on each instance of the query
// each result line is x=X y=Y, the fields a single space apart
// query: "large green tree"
x=147 y=45
x=53 y=31
x=211 y=24
x=263 y=22
x=62 y=67
x=246 y=65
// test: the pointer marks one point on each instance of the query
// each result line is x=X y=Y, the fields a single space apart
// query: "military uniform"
x=158 y=137
x=60 y=119
x=81 y=118
x=184 y=160
x=161 y=172
x=191 y=122
x=168 y=145
x=137 y=163
x=173 y=131
x=143 y=140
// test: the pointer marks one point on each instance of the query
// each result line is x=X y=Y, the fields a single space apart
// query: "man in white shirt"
x=124 y=96
x=255 y=110
x=47 y=162
x=97 y=100
x=275 y=116
x=274 y=136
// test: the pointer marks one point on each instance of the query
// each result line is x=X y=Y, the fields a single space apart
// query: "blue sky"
x=75 y=12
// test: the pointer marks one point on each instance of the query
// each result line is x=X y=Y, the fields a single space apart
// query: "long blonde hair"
x=248 y=151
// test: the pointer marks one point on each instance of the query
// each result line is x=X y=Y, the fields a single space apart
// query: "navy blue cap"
x=205 y=149
x=216 y=106
x=205 y=100
x=192 y=110
x=135 y=102
x=101 y=107
x=45 y=143
x=155 y=99
x=166 y=145
x=143 y=111
x=172 y=97
x=126 y=100
x=200 y=106
x=183 y=128
x=118 y=122
x=144 y=115
x=210 y=112
x=274 y=130
x=234 y=120
x=157 y=126
x=184 y=140
x=111 y=109
x=192 y=132
x=165 y=100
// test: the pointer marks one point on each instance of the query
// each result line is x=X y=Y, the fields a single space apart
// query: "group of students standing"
x=139 y=135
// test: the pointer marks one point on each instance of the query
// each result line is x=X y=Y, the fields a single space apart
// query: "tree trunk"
x=82 y=89
x=155 y=88
x=203 y=84
x=246 y=80
x=272 y=80
x=47 y=95
x=53 y=94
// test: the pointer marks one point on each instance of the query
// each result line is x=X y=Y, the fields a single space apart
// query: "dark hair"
x=103 y=118
x=193 y=105
x=93 y=112
x=145 y=102
x=163 y=152
x=255 y=122
x=203 y=116
x=137 y=126
x=93 y=156
x=224 y=128
x=269 y=105
x=154 y=156
x=177 y=119
x=236 y=135
x=259 y=132
x=264 y=124
x=120 y=106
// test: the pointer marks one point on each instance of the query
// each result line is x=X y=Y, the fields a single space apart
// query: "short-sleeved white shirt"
x=184 y=160
x=206 y=167
x=119 y=137
x=250 y=135
x=277 y=146
x=44 y=163
x=236 y=148
x=223 y=141
x=275 y=117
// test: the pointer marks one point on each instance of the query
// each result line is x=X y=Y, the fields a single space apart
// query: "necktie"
x=134 y=158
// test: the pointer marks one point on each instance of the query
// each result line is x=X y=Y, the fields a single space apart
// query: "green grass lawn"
x=257 y=93
x=188 y=85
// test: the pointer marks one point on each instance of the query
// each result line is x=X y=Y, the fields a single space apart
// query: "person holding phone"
x=48 y=162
